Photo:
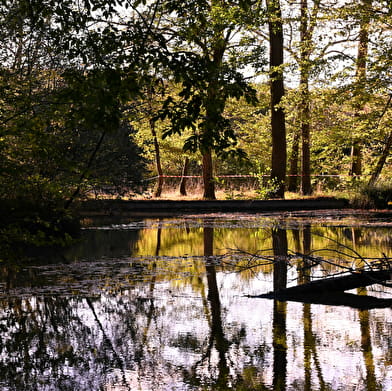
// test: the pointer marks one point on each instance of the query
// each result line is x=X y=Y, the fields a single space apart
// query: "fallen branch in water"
x=330 y=288
x=331 y=298
x=333 y=284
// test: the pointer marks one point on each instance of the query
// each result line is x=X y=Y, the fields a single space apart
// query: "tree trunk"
x=86 y=170
x=183 y=177
x=356 y=158
x=381 y=160
x=306 y=188
x=294 y=159
x=208 y=178
x=159 y=184
x=385 y=152
x=214 y=104
x=356 y=149
x=278 y=129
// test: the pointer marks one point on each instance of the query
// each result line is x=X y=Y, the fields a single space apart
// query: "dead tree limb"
x=333 y=299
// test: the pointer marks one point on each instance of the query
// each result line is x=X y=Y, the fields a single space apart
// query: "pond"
x=171 y=304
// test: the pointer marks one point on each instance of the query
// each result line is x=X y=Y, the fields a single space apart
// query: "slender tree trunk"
x=294 y=159
x=356 y=149
x=278 y=128
x=158 y=165
x=386 y=150
x=306 y=187
x=214 y=108
x=86 y=170
x=208 y=177
x=183 y=177
x=381 y=160
x=356 y=158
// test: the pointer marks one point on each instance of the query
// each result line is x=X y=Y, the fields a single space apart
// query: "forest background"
x=103 y=97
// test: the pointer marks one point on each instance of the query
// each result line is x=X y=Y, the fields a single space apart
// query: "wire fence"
x=232 y=184
x=252 y=181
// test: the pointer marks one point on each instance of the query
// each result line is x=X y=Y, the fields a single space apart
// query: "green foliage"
x=61 y=110
x=232 y=194
x=207 y=78
x=267 y=186
x=47 y=154
x=71 y=78
x=249 y=122
x=63 y=87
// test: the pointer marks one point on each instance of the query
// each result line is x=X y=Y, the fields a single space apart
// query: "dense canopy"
x=99 y=96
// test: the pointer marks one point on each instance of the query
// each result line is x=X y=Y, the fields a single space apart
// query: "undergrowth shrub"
x=378 y=196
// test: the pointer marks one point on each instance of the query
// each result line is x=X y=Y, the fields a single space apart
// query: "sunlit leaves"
x=204 y=63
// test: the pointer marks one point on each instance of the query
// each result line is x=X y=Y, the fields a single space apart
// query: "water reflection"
x=366 y=345
x=161 y=305
x=279 y=343
x=217 y=336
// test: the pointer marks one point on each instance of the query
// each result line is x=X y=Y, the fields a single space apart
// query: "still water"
x=168 y=304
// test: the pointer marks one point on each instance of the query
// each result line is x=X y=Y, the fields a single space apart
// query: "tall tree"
x=278 y=127
x=203 y=53
x=306 y=32
x=308 y=56
x=365 y=12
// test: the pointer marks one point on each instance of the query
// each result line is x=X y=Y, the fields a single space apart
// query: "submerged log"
x=330 y=291
x=341 y=283
x=333 y=298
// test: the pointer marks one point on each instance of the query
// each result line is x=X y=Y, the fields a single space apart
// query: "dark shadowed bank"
x=29 y=230
x=151 y=208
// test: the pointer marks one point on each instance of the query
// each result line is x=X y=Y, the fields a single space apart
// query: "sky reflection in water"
x=161 y=305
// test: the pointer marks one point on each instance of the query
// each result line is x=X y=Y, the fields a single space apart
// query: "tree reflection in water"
x=47 y=345
x=217 y=336
x=279 y=343
x=183 y=323
x=366 y=346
